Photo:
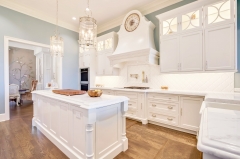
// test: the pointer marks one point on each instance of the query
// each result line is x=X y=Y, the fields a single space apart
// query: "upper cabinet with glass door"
x=191 y=20
x=183 y=22
x=219 y=13
x=170 y=26
x=107 y=42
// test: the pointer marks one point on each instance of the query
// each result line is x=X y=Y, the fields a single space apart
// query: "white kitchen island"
x=80 y=126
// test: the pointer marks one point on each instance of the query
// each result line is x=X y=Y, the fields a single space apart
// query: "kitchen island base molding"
x=97 y=133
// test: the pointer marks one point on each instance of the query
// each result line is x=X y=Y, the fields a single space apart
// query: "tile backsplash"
x=217 y=82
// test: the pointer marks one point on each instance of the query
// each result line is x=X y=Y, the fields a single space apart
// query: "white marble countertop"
x=84 y=101
x=179 y=92
x=232 y=98
x=220 y=133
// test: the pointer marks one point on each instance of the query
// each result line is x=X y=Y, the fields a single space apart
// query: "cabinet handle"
x=129 y=104
x=153 y=105
x=181 y=111
x=169 y=98
x=206 y=64
x=170 y=119
x=170 y=107
x=141 y=105
x=153 y=115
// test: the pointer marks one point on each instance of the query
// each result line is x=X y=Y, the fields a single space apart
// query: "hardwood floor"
x=19 y=140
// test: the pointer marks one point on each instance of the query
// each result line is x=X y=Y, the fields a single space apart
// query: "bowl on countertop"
x=94 y=93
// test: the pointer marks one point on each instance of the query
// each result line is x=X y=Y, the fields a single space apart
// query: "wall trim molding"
x=37 y=14
x=2 y=117
x=146 y=9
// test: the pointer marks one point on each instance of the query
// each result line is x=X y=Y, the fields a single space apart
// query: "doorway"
x=11 y=43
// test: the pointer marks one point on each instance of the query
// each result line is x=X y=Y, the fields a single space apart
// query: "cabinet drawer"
x=132 y=111
x=132 y=104
x=166 y=119
x=165 y=107
x=127 y=94
x=167 y=97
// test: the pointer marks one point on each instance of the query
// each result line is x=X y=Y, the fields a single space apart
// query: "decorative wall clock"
x=132 y=22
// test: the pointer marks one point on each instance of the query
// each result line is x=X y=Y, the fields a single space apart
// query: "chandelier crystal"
x=56 y=42
x=87 y=31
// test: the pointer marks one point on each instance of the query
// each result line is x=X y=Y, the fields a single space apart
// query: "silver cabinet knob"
x=170 y=119
x=153 y=115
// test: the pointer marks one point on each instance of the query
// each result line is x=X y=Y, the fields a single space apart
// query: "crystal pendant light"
x=87 y=30
x=56 y=42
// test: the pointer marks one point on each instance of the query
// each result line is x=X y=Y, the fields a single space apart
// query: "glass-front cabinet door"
x=170 y=26
x=219 y=12
x=191 y=20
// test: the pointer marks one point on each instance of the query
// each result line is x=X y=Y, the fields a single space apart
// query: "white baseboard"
x=3 y=117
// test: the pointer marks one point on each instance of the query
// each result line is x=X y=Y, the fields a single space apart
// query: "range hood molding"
x=137 y=46
x=151 y=56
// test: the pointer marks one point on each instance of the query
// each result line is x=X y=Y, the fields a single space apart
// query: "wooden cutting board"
x=68 y=92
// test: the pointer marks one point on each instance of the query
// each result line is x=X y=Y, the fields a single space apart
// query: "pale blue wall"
x=15 y=24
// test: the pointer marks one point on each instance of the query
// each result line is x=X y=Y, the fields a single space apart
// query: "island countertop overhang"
x=84 y=101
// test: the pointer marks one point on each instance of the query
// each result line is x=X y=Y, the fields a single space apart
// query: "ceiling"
x=103 y=10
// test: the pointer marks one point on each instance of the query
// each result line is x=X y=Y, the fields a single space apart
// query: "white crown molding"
x=36 y=14
x=146 y=9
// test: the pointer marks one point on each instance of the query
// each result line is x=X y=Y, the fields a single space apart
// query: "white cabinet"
x=87 y=59
x=189 y=112
x=105 y=47
x=136 y=105
x=219 y=13
x=199 y=37
x=191 y=51
x=219 y=48
x=104 y=66
x=182 y=53
x=100 y=63
x=169 y=58
x=80 y=60
x=174 y=110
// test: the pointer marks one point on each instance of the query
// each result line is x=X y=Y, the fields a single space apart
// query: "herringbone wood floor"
x=19 y=140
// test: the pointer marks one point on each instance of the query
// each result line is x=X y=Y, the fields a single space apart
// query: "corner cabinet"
x=198 y=37
x=105 y=47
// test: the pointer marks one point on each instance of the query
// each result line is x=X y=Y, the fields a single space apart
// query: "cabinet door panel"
x=190 y=117
x=219 y=42
x=86 y=60
x=100 y=63
x=81 y=61
x=169 y=57
x=191 y=51
x=108 y=69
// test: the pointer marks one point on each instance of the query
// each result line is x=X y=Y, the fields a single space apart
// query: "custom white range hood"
x=136 y=42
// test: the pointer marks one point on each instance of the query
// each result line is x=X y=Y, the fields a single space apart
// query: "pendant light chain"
x=57 y=19
x=56 y=42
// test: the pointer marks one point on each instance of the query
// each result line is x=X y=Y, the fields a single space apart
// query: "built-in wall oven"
x=84 y=79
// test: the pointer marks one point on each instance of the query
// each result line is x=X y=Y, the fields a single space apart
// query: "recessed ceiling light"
x=74 y=18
